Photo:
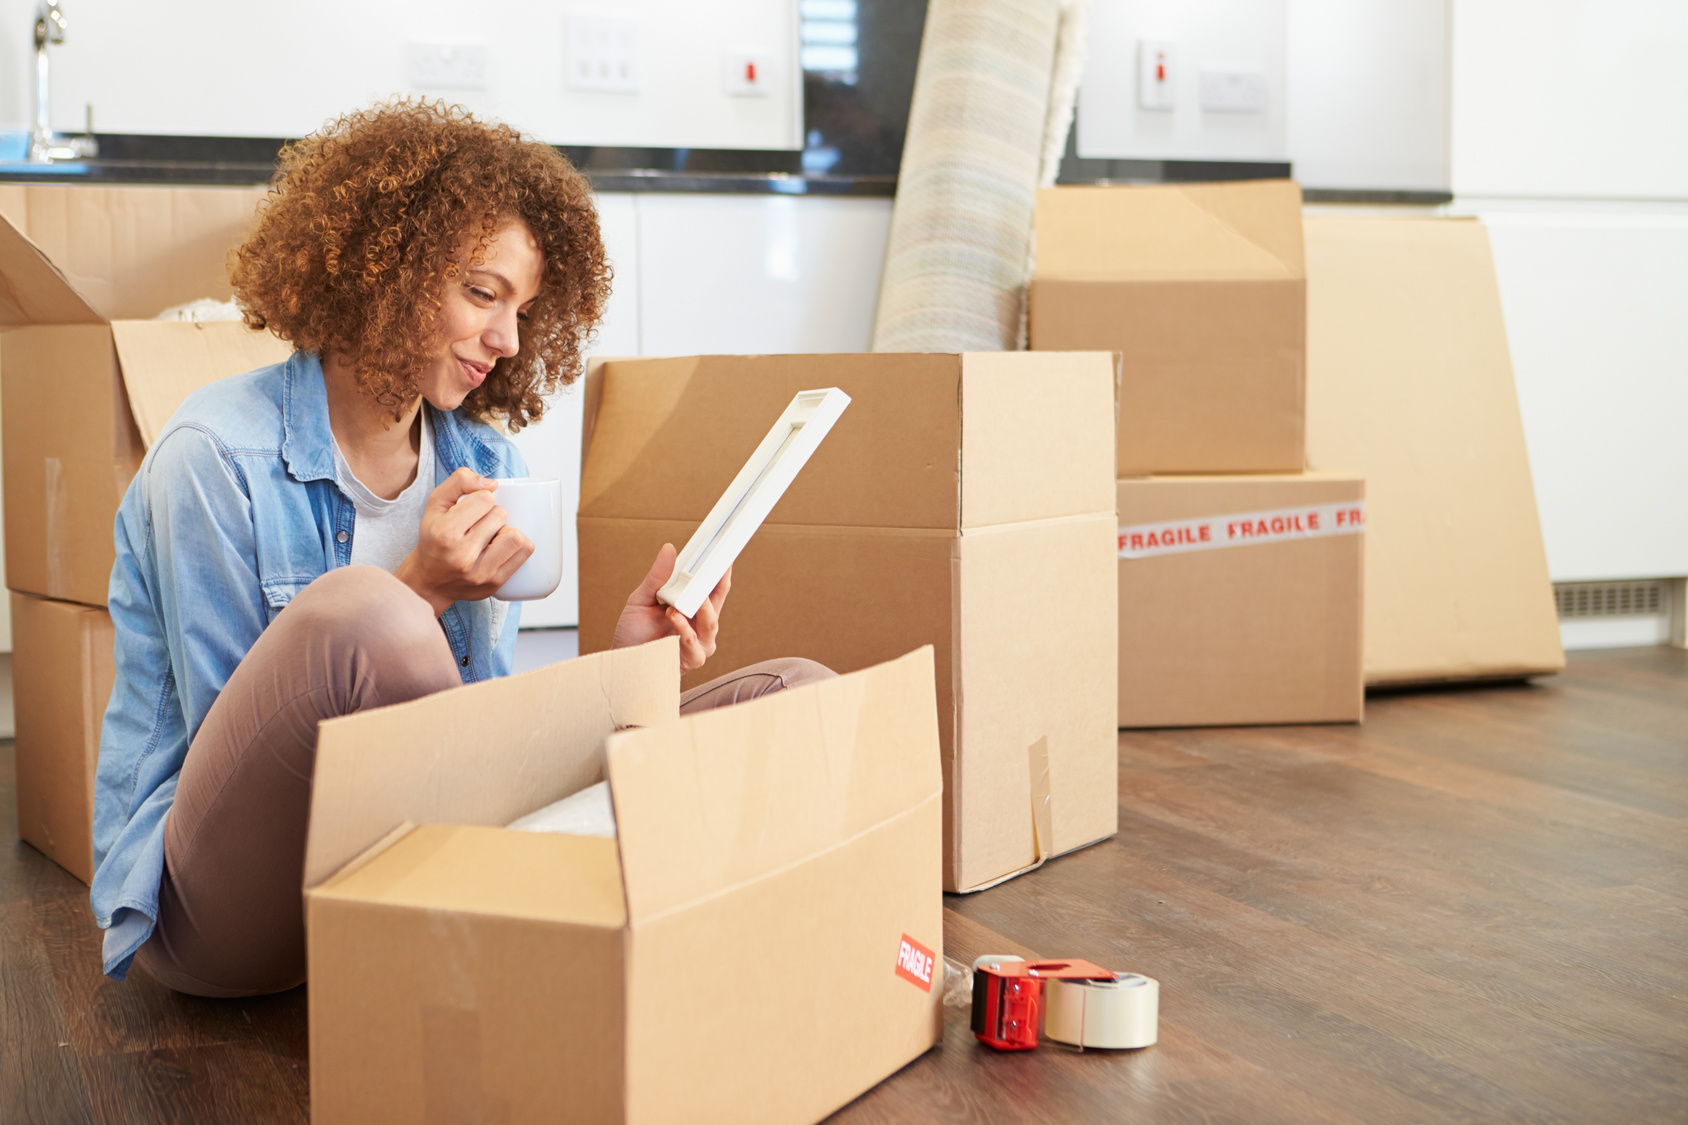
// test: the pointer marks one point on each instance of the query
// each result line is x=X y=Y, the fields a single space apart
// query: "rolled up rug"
x=993 y=98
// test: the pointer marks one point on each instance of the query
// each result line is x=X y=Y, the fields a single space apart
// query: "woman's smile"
x=476 y=373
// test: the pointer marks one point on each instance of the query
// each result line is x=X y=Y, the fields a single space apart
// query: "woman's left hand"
x=646 y=619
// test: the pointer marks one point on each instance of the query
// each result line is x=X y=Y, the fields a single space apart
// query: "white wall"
x=239 y=69
x=1367 y=93
x=1356 y=89
x=1233 y=35
x=1576 y=99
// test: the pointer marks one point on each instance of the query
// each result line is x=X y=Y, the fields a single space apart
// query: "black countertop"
x=140 y=159
x=247 y=161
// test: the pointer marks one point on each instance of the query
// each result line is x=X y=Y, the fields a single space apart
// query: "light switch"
x=746 y=74
x=446 y=66
x=1233 y=91
x=1156 y=74
x=601 y=54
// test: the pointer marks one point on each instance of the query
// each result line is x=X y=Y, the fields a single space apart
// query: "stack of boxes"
x=87 y=379
x=1239 y=573
x=961 y=501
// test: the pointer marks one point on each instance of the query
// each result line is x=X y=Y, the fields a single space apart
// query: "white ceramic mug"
x=533 y=506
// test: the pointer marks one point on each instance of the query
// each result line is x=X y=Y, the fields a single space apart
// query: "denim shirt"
x=234 y=511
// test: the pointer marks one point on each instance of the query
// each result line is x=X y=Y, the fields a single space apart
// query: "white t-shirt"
x=387 y=530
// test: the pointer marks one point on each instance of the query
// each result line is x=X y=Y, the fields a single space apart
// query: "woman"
x=323 y=536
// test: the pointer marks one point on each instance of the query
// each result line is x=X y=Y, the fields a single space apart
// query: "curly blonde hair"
x=366 y=224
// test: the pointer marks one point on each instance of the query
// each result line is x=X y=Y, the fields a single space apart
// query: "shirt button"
x=341 y=537
x=464 y=662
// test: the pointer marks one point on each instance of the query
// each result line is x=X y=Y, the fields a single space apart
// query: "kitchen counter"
x=244 y=161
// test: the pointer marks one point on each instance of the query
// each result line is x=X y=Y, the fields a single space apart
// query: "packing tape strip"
x=1315 y=521
x=1102 y=1013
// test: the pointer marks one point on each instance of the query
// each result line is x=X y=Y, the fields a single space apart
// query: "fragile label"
x=914 y=963
x=1315 y=521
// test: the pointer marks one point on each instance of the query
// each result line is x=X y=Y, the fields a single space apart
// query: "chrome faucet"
x=44 y=144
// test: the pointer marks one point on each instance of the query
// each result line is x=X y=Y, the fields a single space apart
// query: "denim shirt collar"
x=307 y=443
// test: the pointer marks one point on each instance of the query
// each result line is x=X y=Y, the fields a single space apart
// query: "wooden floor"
x=1473 y=908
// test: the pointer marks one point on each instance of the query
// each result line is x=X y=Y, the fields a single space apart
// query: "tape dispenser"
x=1088 y=1006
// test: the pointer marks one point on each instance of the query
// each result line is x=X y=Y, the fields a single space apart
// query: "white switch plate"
x=1233 y=91
x=1157 y=74
x=746 y=74
x=446 y=66
x=601 y=54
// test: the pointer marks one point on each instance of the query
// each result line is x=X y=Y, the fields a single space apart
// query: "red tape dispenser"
x=1008 y=997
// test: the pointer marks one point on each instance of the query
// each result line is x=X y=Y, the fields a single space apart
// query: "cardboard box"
x=741 y=952
x=1239 y=600
x=962 y=501
x=1202 y=290
x=62 y=672
x=88 y=378
x=1410 y=385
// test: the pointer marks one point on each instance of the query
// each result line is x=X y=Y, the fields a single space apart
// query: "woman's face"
x=481 y=315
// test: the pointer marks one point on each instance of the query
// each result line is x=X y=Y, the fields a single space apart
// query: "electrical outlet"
x=446 y=66
x=746 y=74
x=1233 y=91
x=601 y=54
x=1157 y=74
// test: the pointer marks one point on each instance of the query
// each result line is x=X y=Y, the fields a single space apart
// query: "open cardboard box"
x=1241 y=620
x=962 y=501
x=1409 y=384
x=731 y=956
x=62 y=672
x=88 y=378
x=1202 y=290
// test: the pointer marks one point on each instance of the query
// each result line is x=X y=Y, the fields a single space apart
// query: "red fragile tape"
x=1315 y=521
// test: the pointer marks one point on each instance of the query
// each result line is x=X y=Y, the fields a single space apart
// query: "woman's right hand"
x=465 y=551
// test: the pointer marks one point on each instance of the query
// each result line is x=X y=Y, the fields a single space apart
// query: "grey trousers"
x=230 y=910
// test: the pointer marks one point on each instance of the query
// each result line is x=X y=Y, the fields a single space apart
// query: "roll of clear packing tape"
x=1124 y=1012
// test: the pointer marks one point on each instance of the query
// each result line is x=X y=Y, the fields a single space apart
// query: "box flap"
x=724 y=797
x=1409 y=383
x=1037 y=436
x=133 y=252
x=32 y=290
x=669 y=435
x=164 y=361
x=485 y=870
x=1182 y=232
x=482 y=754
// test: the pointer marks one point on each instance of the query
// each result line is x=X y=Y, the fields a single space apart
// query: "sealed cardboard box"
x=961 y=501
x=741 y=951
x=62 y=672
x=1410 y=385
x=1239 y=600
x=87 y=377
x=1202 y=289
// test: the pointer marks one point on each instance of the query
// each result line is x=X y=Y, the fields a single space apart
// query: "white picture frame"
x=752 y=495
